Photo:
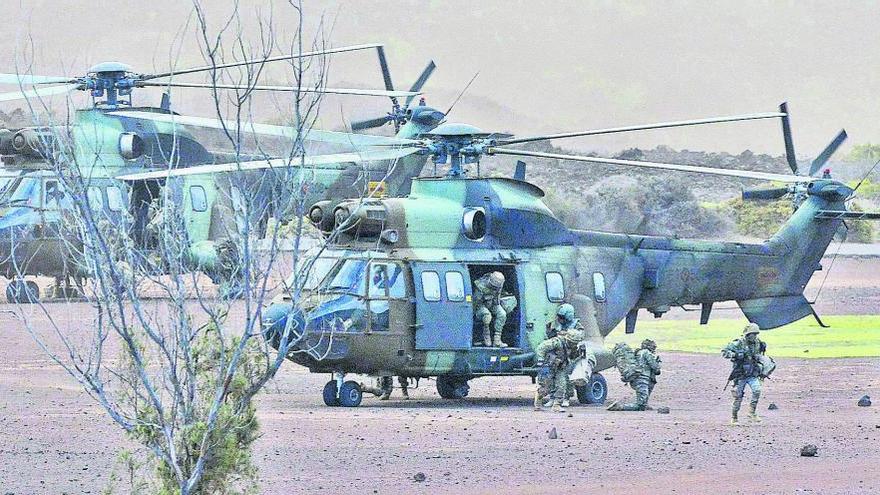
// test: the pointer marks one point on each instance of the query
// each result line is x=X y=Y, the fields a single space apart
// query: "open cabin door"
x=444 y=308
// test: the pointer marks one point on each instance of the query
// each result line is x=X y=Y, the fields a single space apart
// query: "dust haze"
x=543 y=66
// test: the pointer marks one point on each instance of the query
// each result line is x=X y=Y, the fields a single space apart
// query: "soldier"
x=745 y=354
x=488 y=309
x=557 y=355
x=648 y=367
x=385 y=386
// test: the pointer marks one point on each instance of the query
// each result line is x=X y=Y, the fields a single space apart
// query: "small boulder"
x=663 y=410
x=809 y=450
x=865 y=401
x=772 y=407
x=552 y=434
x=419 y=477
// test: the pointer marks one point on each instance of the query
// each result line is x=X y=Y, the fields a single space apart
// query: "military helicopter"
x=394 y=296
x=115 y=144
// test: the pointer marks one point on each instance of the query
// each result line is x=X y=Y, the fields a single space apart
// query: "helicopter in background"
x=115 y=143
x=394 y=295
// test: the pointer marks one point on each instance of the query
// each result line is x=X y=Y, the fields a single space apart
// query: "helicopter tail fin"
x=800 y=244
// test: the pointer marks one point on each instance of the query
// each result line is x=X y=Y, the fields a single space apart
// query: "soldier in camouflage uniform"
x=744 y=354
x=385 y=386
x=488 y=309
x=648 y=364
x=557 y=356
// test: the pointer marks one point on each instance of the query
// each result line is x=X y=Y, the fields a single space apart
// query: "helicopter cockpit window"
x=431 y=286
x=198 y=198
x=53 y=195
x=599 y=287
x=386 y=281
x=114 y=199
x=96 y=199
x=347 y=278
x=20 y=192
x=454 y=286
x=314 y=273
x=555 y=286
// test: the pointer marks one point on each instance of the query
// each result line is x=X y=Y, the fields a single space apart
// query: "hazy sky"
x=544 y=66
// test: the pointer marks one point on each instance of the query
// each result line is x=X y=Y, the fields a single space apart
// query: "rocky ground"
x=54 y=439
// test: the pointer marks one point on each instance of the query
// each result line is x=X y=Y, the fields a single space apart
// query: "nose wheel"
x=348 y=395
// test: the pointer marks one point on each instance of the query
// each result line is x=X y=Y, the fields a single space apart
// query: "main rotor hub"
x=113 y=79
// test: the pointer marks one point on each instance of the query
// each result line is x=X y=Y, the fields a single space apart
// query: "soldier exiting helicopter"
x=647 y=367
x=746 y=354
x=558 y=354
x=488 y=308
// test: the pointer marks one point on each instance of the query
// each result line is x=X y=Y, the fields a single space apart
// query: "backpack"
x=625 y=360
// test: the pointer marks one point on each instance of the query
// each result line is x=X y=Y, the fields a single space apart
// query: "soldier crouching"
x=647 y=367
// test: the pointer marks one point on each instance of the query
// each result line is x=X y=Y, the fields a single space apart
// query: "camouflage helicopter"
x=394 y=296
x=116 y=144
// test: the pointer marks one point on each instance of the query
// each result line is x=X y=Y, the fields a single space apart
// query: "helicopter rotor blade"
x=38 y=92
x=274 y=163
x=661 y=125
x=303 y=89
x=420 y=82
x=744 y=174
x=270 y=130
x=26 y=79
x=147 y=77
x=370 y=123
x=786 y=137
x=765 y=194
x=826 y=154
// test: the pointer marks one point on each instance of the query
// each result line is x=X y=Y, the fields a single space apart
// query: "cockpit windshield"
x=348 y=276
x=18 y=191
x=311 y=274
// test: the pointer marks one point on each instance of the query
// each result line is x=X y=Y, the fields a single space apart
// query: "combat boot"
x=537 y=402
x=753 y=413
x=497 y=340
x=405 y=392
x=487 y=336
x=385 y=395
x=734 y=419
x=565 y=403
x=557 y=407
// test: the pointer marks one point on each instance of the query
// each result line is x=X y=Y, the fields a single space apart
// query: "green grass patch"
x=849 y=336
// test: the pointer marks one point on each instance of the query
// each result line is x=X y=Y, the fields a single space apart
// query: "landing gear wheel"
x=350 y=394
x=452 y=387
x=330 y=397
x=21 y=291
x=594 y=392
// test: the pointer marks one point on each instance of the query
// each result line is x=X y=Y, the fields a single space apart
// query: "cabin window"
x=455 y=286
x=114 y=199
x=198 y=198
x=555 y=286
x=96 y=199
x=386 y=281
x=431 y=286
x=599 y=287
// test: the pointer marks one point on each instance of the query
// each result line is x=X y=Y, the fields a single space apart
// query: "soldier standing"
x=557 y=355
x=647 y=369
x=488 y=309
x=745 y=354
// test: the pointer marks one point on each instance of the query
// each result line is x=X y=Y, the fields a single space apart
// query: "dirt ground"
x=54 y=439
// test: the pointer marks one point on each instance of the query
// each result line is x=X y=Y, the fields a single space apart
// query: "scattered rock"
x=552 y=434
x=609 y=437
x=419 y=477
x=865 y=401
x=772 y=406
x=570 y=415
x=663 y=410
x=809 y=450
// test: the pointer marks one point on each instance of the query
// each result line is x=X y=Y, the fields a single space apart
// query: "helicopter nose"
x=280 y=318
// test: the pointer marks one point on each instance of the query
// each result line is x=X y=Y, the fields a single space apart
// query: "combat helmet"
x=566 y=312
x=649 y=344
x=751 y=328
x=496 y=279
